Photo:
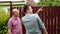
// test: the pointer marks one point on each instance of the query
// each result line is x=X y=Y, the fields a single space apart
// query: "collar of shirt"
x=27 y=14
x=14 y=18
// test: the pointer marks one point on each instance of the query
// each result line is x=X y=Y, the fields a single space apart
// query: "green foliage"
x=49 y=3
x=3 y=22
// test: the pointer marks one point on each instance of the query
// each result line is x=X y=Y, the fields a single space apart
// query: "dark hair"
x=26 y=7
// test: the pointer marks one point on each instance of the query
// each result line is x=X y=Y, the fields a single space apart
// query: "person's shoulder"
x=10 y=19
x=23 y=17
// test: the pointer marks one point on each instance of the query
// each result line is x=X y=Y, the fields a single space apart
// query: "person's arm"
x=21 y=32
x=40 y=9
x=9 y=26
x=9 y=31
x=44 y=31
x=41 y=25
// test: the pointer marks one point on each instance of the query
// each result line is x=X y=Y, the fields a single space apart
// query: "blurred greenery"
x=49 y=3
x=4 y=16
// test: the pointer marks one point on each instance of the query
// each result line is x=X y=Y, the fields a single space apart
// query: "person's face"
x=16 y=13
x=30 y=9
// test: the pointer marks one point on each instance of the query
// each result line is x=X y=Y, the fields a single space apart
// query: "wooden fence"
x=50 y=16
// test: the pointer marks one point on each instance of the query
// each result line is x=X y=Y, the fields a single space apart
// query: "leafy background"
x=4 y=16
x=49 y=3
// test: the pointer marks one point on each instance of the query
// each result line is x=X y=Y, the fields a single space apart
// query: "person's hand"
x=40 y=9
